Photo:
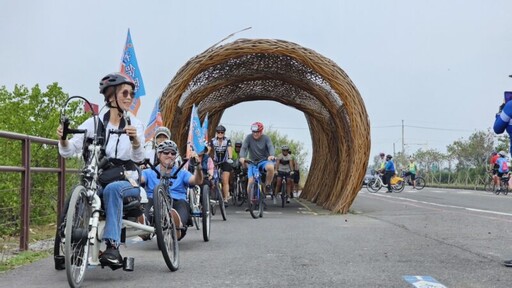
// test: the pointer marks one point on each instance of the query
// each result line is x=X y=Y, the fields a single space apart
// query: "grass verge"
x=23 y=258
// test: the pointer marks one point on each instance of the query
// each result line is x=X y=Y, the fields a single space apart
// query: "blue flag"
x=130 y=68
x=196 y=141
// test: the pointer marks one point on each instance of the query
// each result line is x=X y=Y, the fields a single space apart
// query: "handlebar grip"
x=65 y=128
x=117 y=131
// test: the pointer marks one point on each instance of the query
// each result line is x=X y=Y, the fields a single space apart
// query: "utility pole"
x=403 y=144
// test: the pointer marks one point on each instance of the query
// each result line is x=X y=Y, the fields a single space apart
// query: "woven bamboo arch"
x=277 y=70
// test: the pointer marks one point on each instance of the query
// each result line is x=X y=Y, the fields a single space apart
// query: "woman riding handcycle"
x=110 y=146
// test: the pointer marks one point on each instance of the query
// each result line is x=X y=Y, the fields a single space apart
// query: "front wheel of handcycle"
x=205 y=210
x=255 y=202
x=165 y=228
x=77 y=236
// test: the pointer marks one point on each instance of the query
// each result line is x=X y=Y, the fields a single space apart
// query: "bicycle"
x=503 y=184
x=489 y=184
x=420 y=181
x=216 y=198
x=79 y=233
x=284 y=195
x=255 y=193
x=375 y=184
x=200 y=207
x=239 y=191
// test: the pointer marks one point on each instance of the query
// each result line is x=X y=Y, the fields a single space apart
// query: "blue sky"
x=440 y=66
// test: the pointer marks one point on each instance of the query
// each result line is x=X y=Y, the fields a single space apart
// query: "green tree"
x=36 y=113
x=472 y=153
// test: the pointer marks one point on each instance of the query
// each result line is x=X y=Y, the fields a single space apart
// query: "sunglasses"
x=127 y=93
x=173 y=153
x=220 y=132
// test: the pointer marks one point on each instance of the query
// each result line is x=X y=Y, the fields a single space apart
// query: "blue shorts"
x=261 y=167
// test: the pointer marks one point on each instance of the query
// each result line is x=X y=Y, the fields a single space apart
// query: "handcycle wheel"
x=205 y=210
x=255 y=201
x=165 y=228
x=77 y=236
x=420 y=183
x=220 y=198
x=192 y=199
x=373 y=186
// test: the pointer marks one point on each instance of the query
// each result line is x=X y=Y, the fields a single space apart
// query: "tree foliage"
x=36 y=113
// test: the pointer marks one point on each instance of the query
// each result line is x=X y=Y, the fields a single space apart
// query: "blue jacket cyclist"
x=389 y=172
x=166 y=153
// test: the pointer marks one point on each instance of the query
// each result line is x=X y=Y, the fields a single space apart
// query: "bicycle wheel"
x=222 y=207
x=398 y=187
x=213 y=200
x=241 y=191
x=261 y=198
x=254 y=201
x=236 y=193
x=165 y=228
x=420 y=183
x=205 y=209
x=77 y=236
x=373 y=185
x=283 y=193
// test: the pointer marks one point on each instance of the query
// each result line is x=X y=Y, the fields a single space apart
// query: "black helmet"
x=389 y=156
x=238 y=143
x=220 y=128
x=114 y=79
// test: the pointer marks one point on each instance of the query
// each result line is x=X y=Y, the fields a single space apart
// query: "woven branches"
x=268 y=69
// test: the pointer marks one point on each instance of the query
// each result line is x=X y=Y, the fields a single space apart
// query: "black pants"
x=387 y=178
x=183 y=209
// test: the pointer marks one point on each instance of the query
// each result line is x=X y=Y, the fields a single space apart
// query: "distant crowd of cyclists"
x=386 y=169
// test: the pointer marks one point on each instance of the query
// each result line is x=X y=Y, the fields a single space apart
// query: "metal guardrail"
x=26 y=171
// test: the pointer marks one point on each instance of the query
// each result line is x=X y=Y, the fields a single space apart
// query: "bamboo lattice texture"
x=277 y=70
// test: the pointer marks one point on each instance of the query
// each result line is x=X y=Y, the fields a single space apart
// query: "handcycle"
x=375 y=184
x=79 y=233
x=200 y=206
x=255 y=193
x=420 y=181
x=216 y=198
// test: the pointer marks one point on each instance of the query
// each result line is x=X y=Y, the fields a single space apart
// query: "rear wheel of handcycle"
x=373 y=185
x=165 y=228
x=221 y=202
x=420 y=183
x=205 y=210
x=255 y=201
x=77 y=236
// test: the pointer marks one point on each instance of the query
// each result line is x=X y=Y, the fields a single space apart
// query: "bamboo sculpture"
x=277 y=70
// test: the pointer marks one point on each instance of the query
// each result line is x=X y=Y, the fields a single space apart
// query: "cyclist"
x=502 y=166
x=121 y=150
x=389 y=172
x=236 y=163
x=412 y=172
x=296 y=176
x=381 y=162
x=167 y=152
x=259 y=147
x=285 y=167
x=161 y=133
x=493 y=168
x=222 y=155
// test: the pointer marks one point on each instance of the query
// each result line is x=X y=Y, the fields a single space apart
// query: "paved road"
x=457 y=237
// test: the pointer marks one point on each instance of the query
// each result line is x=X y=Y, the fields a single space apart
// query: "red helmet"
x=257 y=127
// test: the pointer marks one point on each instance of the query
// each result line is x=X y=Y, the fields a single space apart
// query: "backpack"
x=504 y=166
